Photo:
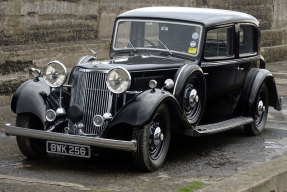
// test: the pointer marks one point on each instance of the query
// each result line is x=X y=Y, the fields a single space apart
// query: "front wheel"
x=31 y=148
x=259 y=112
x=153 y=141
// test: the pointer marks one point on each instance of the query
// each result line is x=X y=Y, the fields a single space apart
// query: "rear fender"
x=265 y=76
x=255 y=78
x=30 y=97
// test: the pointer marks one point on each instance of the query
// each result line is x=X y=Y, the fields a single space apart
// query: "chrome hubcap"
x=191 y=103
x=193 y=97
x=157 y=137
x=260 y=108
x=156 y=140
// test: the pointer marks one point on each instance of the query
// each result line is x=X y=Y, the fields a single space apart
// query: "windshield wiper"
x=170 y=53
x=135 y=50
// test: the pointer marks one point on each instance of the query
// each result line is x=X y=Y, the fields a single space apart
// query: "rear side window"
x=247 y=40
x=219 y=43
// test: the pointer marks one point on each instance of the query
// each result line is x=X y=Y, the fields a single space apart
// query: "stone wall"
x=46 y=21
x=280 y=14
x=43 y=21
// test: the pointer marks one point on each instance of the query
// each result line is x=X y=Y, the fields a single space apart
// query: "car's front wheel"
x=259 y=112
x=153 y=141
x=31 y=148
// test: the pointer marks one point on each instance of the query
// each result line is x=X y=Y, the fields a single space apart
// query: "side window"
x=247 y=40
x=219 y=43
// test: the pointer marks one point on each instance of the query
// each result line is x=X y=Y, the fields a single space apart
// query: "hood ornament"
x=95 y=53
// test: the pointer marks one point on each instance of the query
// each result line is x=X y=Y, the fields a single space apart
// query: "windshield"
x=157 y=35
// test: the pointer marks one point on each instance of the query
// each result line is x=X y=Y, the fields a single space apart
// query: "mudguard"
x=254 y=80
x=30 y=98
x=181 y=77
x=139 y=110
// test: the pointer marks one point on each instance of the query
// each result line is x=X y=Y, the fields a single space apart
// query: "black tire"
x=193 y=111
x=148 y=157
x=258 y=125
x=31 y=148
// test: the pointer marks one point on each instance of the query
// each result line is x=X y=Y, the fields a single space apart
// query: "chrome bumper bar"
x=76 y=139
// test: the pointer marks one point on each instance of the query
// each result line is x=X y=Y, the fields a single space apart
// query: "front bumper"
x=76 y=139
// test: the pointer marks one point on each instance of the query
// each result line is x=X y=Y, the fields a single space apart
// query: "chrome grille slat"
x=92 y=95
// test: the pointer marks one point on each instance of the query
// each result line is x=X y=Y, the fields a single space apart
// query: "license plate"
x=68 y=149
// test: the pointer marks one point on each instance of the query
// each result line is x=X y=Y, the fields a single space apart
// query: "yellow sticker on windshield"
x=192 y=50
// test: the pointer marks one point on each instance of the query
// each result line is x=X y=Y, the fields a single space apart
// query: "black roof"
x=206 y=16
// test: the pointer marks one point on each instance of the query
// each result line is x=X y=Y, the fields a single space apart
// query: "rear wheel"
x=153 y=141
x=31 y=148
x=259 y=112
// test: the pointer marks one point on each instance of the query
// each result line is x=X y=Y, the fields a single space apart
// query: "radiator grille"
x=90 y=92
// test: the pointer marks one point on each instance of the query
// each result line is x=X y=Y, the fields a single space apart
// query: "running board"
x=223 y=125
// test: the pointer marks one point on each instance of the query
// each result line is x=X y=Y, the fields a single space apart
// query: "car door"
x=219 y=66
x=248 y=57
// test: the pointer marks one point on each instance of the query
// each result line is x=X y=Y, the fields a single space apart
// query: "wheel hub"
x=157 y=137
x=193 y=97
x=260 y=108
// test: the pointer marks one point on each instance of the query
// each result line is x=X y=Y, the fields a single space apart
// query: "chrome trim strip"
x=93 y=70
x=178 y=78
x=180 y=74
x=76 y=139
x=82 y=59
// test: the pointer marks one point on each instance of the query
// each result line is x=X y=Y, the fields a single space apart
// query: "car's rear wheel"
x=153 y=141
x=259 y=112
x=31 y=148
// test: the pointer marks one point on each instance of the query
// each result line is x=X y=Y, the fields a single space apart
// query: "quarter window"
x=219 y=43
x=247 y=40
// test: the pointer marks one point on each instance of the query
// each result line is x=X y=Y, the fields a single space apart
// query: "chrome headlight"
x=55 y=74
x=118 y=80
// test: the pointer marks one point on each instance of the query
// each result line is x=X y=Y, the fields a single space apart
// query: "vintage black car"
x=172 y=70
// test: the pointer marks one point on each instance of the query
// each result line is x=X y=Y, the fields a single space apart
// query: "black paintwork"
x=208 y=17
x=31 y=97
x=230 y=84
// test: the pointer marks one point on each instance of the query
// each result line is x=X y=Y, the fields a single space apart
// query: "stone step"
x=9 y=83
x=273 y=37
x=274 y=53
x=9 y=67
x=40 y=54
x=15 y=61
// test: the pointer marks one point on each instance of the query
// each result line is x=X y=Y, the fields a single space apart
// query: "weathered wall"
x=280 y=14
x=30 y=21
x=43 y=21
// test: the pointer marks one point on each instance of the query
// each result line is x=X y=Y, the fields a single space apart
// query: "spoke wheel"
x=259 y=112
x=152 y=141
x=156 y=137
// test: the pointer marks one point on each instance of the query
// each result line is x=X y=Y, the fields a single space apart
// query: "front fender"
x=30 y=98
x=139 y=110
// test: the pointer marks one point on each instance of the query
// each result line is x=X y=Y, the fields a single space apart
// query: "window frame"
x=233 y=43
x=114 y=36
x=255 y=40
